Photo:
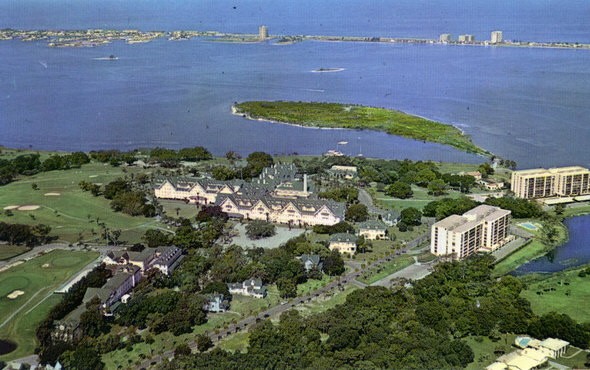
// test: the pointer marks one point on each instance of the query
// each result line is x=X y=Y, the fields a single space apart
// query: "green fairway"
x=333 y=115
x=563 y=292
x=379 y=272
x=35 y=280
x=9 y=251
x=71 y=212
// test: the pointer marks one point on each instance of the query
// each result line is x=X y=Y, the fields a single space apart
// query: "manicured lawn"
x=37 y=282
x=237 y=342
x=574 y=358
x=73 y=213
x=184 y=210
x=563 y=292
x=324 y=304
x=388 y=268
x=9 y=251
x=335 y=115
x=419 y=199
x=312 y=285
x=483 y=349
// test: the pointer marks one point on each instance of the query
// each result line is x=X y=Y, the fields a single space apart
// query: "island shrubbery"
x=335 y=115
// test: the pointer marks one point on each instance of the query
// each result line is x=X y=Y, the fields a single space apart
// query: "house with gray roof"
x=311 y=261
x=216 y=303
x=373 y=230
x=250 y=287
x=343 y=243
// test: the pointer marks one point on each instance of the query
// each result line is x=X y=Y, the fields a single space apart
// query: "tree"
x=287 y=288
x=333 y=264
x=83 y=358
x=182 y=350
x=399 y=190
x=223 y=173
x=411 y=216
x=437 y=187
x=257 y=161
x=203 y=342
x=232 y=156
x=155 y=238
x=259 y=229
x=357 y=213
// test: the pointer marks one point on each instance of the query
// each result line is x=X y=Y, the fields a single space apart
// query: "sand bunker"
x=28 y=208
x=15 y=294
x=10 y=207
x=52 y=194
x=45 y=265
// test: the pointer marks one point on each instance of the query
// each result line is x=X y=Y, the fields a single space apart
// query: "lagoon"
x=575 y=252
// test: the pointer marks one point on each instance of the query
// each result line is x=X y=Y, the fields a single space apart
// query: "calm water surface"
x=529 y=105
x=575 y=252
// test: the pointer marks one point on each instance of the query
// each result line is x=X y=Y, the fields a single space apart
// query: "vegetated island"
x=334 y=115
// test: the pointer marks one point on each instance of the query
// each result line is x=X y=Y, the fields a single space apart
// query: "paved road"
x=366 y=199
x=416 y=271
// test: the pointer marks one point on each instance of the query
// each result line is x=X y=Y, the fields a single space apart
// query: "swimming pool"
x=529 y=226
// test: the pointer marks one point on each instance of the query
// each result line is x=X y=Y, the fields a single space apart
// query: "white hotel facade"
x=482 y=228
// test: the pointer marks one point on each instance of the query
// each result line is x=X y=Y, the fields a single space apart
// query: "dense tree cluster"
x=521 y=208
x=445 y=207
x=128 y=200
x=346 y=194
x=259 y=229
x=340 y=227
x=357 y=213
x=20 y=234
x=405 y=328
x=30 y=164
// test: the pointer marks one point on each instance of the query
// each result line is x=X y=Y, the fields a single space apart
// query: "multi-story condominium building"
x=262 y=32
x=466 y=38
x=482 y=228
x=544 y=183
x=496 y=37
x=445 y=37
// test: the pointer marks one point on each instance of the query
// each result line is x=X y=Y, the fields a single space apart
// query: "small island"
x=333 y=115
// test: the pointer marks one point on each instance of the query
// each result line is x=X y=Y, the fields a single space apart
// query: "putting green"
x=66 y=261
x=12 y=283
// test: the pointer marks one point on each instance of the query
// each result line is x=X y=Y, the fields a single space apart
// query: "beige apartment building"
x=552 y=182
x=482 y=228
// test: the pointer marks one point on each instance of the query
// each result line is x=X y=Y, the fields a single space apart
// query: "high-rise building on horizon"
x=552 y=182
x=262 y=32
x=496 y=37
x=466 y=38
x=445 y=37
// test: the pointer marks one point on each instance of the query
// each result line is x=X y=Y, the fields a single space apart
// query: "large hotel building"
x=482 y=228
x=552 y=182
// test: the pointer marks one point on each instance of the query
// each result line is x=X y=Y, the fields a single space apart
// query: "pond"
x=6 y=346
x=575 y=252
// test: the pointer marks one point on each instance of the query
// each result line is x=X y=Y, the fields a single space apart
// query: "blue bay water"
x=529 y=105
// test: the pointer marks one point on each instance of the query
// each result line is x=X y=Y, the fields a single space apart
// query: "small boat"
x=333 y=153
x=342 y=142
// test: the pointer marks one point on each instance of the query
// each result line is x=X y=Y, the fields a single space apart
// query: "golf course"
x=26 y=295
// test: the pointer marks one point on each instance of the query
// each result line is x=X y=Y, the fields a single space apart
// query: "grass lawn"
x=37 y=283
x=388 y=268
x=483 y=349
x=324 y=304
x=312 y=285
x=563 y=292
x=335 y=115
x=237 y=342
x=419 y=199
x=184 y=210
x=73 y=213
x=9 y=251
x=574 y=358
